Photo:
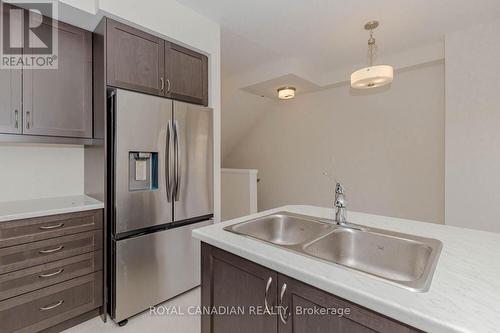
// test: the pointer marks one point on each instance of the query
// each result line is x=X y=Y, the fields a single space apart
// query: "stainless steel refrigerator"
x=160 y=184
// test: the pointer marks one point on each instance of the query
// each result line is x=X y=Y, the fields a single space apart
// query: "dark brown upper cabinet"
x=186 y=74
x=50 y=102
x=10 y=92
x=135 y=59
x=139 y=61
x=10 y=101
x=58 y=102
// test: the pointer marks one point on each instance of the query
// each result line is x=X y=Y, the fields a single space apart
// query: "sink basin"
x=281 y=228
x=406 y=260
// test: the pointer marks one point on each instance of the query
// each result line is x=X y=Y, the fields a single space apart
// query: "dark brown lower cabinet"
x=51 y=272
x=46 y=307
x=233 y=284
x=25 y=280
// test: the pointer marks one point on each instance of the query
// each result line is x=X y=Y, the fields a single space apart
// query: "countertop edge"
x=93 y=204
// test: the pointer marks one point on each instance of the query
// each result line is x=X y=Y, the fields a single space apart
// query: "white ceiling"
x=328 y=34
x=270 y=88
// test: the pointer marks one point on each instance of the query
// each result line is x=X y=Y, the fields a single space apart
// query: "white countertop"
x=23 y=209
x=465 y=291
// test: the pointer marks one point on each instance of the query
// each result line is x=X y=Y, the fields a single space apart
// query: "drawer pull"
x=52 y=306
x=59 y=271
x=54 y=226
x=59 y=248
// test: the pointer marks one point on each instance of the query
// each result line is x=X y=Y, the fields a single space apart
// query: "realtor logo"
x=29 y=35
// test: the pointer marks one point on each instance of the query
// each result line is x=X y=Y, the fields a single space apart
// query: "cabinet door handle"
x=52 y=306
x=282 y=310
x=168 y=85
x=28 y=125
x=59 y=248
x=162 y=84
x=178 y=162
x=268 y=285
x=16 y=118
x=47 y=275
x=54 y=226
x=169 y=184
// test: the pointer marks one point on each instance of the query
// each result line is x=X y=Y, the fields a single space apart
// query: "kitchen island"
x=464 y=294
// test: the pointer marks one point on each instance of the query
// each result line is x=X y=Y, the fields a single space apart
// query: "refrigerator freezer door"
x=193 y=194
x=141 y=125
x=155 y=267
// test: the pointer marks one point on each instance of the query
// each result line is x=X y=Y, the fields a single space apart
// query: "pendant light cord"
x=371 y=46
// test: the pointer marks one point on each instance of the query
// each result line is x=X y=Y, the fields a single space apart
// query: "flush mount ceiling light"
x=372 y=76
x=286 y=93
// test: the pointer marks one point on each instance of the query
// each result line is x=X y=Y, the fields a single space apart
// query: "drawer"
x=27 y=255
x=49 y=306
x=33 y=278
x=30 y=230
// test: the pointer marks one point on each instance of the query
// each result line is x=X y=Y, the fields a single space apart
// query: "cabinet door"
x=10 y=90
x=310 y=310
x=231 y=282
x=10 y=101
x=187 y=74
x=58 y=102
x=135 y=59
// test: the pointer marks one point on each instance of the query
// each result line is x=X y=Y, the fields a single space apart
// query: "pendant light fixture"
x=372 y=76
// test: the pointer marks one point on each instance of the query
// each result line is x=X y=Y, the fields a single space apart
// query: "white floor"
x=147 y=323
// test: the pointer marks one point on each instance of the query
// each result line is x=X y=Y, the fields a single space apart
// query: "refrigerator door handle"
x=177 y=173
x=168 y=170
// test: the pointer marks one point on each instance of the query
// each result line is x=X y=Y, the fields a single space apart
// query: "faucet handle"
x=339 y=188
x=340 y=202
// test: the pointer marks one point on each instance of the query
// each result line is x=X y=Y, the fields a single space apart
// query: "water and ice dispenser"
x=143 y=171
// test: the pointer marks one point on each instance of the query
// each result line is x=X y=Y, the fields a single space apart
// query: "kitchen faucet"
x=340 y=205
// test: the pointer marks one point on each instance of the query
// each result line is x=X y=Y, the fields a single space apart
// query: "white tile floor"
x=146 y=323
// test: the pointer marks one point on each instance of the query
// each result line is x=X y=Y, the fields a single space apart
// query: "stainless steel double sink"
x=406 y=260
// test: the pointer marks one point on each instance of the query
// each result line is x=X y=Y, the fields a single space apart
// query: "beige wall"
x=473 y=128
x=239 y=115
x=386 y=146
x=29 y=171
x=238 y=193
